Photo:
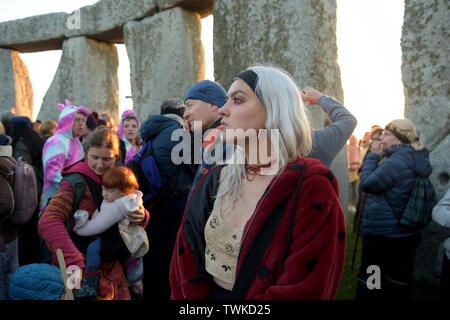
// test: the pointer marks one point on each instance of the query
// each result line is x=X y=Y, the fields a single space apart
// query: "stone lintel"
x=102 y=21
x=32 y=34
x=203 y=7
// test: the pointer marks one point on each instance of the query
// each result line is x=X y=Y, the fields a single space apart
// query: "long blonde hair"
x=286 y=112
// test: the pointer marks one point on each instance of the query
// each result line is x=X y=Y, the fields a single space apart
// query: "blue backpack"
x=146 y=170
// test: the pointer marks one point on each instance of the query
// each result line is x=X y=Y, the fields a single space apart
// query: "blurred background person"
x=353 y=158
x=28 y=144
x=128 y=132
x=107 y=120
x=47 y=129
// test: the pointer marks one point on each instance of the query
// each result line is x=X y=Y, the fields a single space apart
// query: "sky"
x=369 y=55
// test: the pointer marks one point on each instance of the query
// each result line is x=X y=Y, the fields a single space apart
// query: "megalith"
x=298 y=36
x=33 y=34
x=15 y=90
x=425 y=59
x=87 y=76
x=166 y=57
x=425 y=54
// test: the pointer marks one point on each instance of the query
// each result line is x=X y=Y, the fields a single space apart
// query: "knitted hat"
x=207 y=91
x=20 y=120
x=92 y=120
x=5 y=140
x=404 y=130
x=37 y=281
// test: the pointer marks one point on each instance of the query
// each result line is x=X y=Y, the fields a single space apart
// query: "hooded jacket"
x=388 y=186
x=159 y=129
x=314 y=263
x=60 y=150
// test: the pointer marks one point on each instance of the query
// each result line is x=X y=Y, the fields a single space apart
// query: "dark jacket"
x=28 y=144
x=315 y=259
x=159 y=129
x=8 y=231
x=388 y=187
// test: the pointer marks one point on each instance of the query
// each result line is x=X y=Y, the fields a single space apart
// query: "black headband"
x=250 y=78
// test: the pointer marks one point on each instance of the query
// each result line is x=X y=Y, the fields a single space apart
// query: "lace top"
x=222 y=248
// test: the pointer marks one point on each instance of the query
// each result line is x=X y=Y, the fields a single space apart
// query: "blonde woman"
x=264 y=228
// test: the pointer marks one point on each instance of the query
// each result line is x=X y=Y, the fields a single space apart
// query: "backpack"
x=420 y=204
x=24 y=191
x=146 y=170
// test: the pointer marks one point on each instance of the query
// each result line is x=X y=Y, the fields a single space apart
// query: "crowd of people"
x=135 y=224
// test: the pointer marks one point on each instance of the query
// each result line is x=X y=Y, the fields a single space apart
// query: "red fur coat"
x=315 y=259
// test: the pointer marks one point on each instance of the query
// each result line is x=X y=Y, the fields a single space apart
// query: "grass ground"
x=422 y=290
x=347 y=288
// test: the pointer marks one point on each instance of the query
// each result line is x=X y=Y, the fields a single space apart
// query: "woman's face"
x=130 y=129
x=388 y=139
x=243 y=110
x=100 y=160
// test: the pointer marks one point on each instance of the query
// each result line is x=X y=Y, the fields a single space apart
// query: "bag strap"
x=262 y=241
x=79 y=188
x=145 y=151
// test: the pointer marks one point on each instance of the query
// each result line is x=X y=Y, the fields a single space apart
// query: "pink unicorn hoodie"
x=60 y=150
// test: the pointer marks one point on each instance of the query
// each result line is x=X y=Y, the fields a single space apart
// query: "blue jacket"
x=388 y=187
x=159 y=128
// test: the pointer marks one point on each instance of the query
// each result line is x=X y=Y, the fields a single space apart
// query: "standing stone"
x=440 y=162
x=87 y=76
x=425 y=59
x=425 y=53
x=15 y=90
x=166 y=57
x=296 y=35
